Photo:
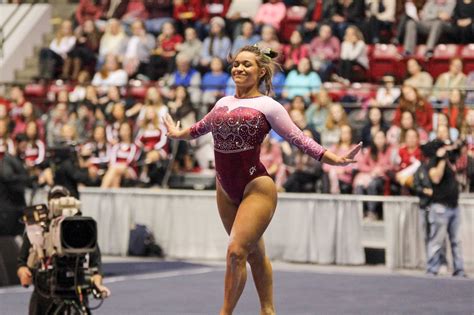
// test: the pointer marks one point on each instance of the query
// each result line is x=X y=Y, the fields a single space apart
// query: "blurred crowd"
x=118 y=67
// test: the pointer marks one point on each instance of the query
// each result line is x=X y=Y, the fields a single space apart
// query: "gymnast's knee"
x=236 y=254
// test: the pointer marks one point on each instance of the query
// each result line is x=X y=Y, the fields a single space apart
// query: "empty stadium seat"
x=384 y=59
x=442 y=55
x=294 y=17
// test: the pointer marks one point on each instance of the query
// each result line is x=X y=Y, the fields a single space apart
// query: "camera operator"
x=29 y=264
x=13 y=180
x=444 y=214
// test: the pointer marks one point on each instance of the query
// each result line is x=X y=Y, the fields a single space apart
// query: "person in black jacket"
x=27 y=270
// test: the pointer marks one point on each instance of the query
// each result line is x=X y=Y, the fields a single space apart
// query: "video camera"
x=453 y=149
x=60 y=240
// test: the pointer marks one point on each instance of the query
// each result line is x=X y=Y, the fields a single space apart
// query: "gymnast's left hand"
x=174 y=130
x=333 y=159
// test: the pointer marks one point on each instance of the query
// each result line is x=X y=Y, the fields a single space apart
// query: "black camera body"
x=453 y=149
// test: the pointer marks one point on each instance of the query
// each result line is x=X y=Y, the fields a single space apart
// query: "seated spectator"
x=106 y=103
x=303 y=81
x=463 y=21
x=433 y=21
x=246 y=37
x=317 y=13
x=6 y=143
x=89 y=10
x=272 y=158
x=388 y=93
x=184 y=75
x=15 y=102
x=28 y=114
x=240 y=12
x=470 y=94
x=181 y=108
x=373 y=167
x=135 y=10
x=452 y=79
x=111 y=74
x=324 y=51
x=35 y=156
x=188 y=13
x=191 y=47
x=353 y=54
x=271 y=13
x=137 y=52
x=338 y=180
x=84 y=121
x=151 y=140
x=162 y=59
x=456 y=110
x=294 y=51
x=84 y=52
x=96 y=151
x=118 y=117
x=345 y=13
x=442 y=119
x=406 y=11
x=396 y=134
x=122 y=168
x=373 y=125
x=153 y=99
x=317 y=113
x=269 y=39
x=411 y=101
x=217 y=44
x=331 y=133
x=381 y=15
x=159 y=12
x=91 y=100
x=417 y=78
x=113 y=41
x=57 y=118
x=214 y=83
x=52 y=58
x=410 y=158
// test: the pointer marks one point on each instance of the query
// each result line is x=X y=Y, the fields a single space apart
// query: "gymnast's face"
x=245 y=70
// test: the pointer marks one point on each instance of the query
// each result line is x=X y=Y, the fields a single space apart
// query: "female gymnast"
x=246 y=194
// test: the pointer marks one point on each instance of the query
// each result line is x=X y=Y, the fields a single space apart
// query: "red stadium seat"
x=384 y=59
x=441 y=58
x=35 y=90
x=137 y=92
x=335 y=90
x=467 y=54
x=294 y=17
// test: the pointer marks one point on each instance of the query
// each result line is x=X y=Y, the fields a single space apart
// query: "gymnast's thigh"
x=227 y=208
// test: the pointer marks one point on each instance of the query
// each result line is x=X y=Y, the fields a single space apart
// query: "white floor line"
x=148 y=276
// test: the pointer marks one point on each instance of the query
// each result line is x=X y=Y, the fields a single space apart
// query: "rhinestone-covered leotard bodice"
x=238 y=127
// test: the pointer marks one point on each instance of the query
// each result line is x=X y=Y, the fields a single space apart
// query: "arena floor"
x=172 y=287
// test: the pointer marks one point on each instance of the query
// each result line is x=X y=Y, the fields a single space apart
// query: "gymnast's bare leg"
x=245 y=223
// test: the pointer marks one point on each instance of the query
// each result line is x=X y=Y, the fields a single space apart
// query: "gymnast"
x=246 y=195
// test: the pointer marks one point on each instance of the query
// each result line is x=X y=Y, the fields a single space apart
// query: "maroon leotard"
x=238 y=127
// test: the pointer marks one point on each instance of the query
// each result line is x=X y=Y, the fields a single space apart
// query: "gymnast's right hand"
x=174 y=130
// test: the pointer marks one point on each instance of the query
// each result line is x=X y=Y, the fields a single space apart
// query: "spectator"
x=381 y=15
x=91 y=100
x=209 y=10
x=406 y=11
x=112 y=42
x=317 y=13
x=433 y=21
x=137 y=52
x=470 y=94
x=213 y=83
x=184 y=75
x=107 y=102
x=84 y=121
x=159 y=12
x=35 y=156
x=247 y=37
x=374 y=124
x=240 y=12
x=456 y=110
x=388 y=93
x=78 y=94
x=122 y=169
x=84 y=52
x=271 y=13
x=269 y=39
x=294 y=51
x=303 y=81
x=57 y=118
x=443 y=120
x=272 y=158
x=153 y=98
x=97 y=152
x=16 y=102
x=112 y=130
x=417 y=78
x=317 y=113
x=396 y=134
x=135 y=11
x=191 y=47
x=353 y=54
x=89 y=10
x=463 y=21
x=324 y=51
x=162 y=61
x=332 y=129
x=338 y=180
x=373 y=167
x=411 y=101
x=6 y=142
x=217 y=44
x=410 y=158
x=345 y=13
x=52 y=58
x=452 y=79
x=29 y=113
x=111 y=74
x=188 y=13
x=467 y=135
